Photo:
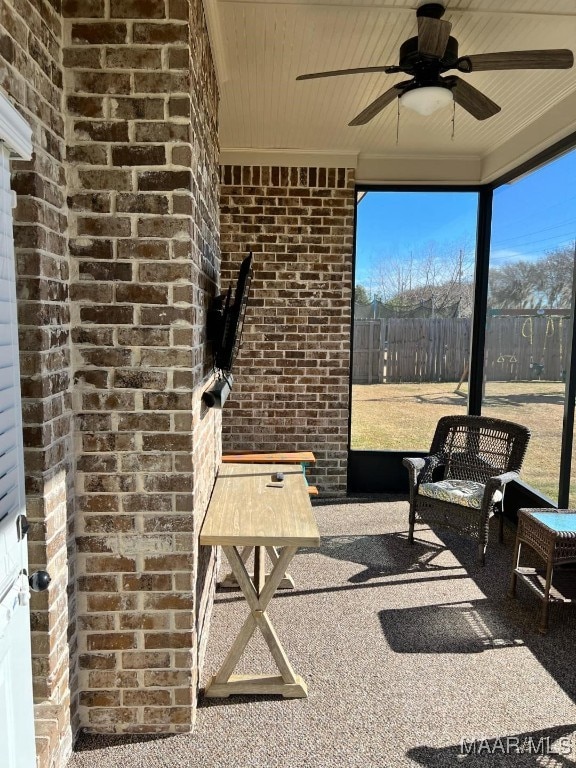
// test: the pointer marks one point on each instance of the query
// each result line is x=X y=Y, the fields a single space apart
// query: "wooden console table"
x=303 y=458
x=249 y=508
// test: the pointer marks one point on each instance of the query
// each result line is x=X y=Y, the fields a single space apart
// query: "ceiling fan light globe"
x=426 y=99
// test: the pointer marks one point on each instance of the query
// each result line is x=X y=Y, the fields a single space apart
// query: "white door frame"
x=16 y=699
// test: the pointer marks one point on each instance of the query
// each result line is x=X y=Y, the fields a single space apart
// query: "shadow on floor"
x=551 y=747
x=496 y=401
x=493 y=623
x=380 y=554
x=87 y=742
x=469 y=627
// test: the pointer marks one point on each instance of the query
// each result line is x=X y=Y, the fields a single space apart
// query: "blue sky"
x=530 y=217
x=536 y=213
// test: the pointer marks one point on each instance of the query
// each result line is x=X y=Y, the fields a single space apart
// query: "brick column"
x=31 y=76
x=142 y=149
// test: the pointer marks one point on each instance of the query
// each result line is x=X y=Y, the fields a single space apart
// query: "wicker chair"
x=461 y=483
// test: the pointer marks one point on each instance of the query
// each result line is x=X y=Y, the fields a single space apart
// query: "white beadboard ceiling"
x=260 y=46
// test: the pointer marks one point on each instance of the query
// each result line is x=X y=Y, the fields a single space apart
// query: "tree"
x=513 y=285
x=545 y=282
x=443 y=298
x=441 y=276
x=361 y=295
x=555 y=277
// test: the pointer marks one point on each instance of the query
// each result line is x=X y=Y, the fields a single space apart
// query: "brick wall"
x=31 y=76
x=291 y=379
x=116 y=235
x=142 y=148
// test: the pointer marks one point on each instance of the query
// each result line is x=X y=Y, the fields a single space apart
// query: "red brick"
x=118 y=315
x=164 y=180
x=145 y=660
x=99 y=33
x=167 y=640
x=112 y=641
x=83 y=8
x=160 y=33
x=142 y=294
x=138 y=155
x=131 y=108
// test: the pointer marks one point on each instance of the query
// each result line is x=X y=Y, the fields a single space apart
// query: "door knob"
x=39 y=581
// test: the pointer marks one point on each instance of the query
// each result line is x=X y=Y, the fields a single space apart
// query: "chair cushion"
x=467 y=493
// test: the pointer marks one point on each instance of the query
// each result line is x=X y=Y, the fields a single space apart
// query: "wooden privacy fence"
x=427 y=349
x=526 y=347
x=437 y=349
x=369 y=351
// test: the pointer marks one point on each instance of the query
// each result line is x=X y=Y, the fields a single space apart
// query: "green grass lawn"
x=403 y=416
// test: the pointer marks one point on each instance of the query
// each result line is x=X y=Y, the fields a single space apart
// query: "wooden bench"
x=288 y=457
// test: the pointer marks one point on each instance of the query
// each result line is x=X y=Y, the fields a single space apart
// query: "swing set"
x=530 y=361
x=537 y=368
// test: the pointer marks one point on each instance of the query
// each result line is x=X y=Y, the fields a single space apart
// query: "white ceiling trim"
x=528 y=142
x=291 y=158
x=392 y=169
x=214 y=24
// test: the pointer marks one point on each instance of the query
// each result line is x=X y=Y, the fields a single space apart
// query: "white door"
x=17 y=747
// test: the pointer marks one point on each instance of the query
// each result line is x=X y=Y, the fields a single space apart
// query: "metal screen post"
x=569 y=402
x=477 y=341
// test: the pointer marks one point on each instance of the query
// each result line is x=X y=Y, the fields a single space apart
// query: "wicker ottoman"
x=551 y=533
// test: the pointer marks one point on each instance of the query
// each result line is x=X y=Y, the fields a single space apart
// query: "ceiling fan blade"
x=376 y=106
x=472 y=100
x=391 y=69
x=559 y=58
x=433 y=36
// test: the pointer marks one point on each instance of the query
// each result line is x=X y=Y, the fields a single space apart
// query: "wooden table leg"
x=259 y=569
x=287 y=580
x=287 y=683
x=543 y=628
x=515 y=566
x=229 y=581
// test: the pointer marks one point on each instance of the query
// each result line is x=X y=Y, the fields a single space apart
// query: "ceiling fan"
x=433 y=52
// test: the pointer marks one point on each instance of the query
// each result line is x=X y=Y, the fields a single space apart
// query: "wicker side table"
x=552 y=535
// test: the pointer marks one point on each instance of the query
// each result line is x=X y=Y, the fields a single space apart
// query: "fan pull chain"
x=453 y=120
x=397 y=121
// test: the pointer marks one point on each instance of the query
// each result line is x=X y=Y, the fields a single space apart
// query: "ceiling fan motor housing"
x=431 y=10
x=410 y=57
